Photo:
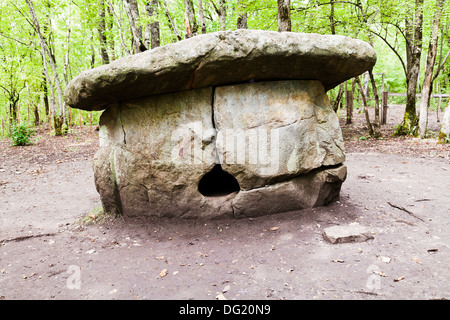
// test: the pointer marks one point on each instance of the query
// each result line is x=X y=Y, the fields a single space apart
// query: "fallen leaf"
x=274 y=228
x=226 y=288
x=163 y=273
x=338 y=260
x=399 y=279
x=432 y=250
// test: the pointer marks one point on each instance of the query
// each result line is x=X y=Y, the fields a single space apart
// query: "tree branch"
x=392 y=48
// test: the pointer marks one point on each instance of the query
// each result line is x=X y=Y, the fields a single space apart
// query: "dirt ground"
x=399 y=188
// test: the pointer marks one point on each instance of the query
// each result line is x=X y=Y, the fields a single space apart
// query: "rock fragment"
x=353 y=232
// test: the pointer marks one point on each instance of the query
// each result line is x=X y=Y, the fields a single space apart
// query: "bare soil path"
x=399 y=188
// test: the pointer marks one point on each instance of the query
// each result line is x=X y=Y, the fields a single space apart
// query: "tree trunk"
x=172 y=24
x=44 y=88
x=364 y=104
x=132 y=10
x=152 y=37
x=223 y=15
x=376 y=125
x=349 y=105
x=429 y=67
x=331 y=18
x=190 y=22
x=119 y=25
x=109 y=28
x=444 y=134
x=45 y=51
x=413 y=34
x=284 y=15
x=242 y=16
x=101 y=28
x=338 y=99
x=201 y=16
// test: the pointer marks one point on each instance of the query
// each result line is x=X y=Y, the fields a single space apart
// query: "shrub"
x=21 y=134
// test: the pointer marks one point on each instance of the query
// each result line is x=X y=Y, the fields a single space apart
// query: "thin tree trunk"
x=429 y=67
x=413 y=34
x=58 y=119
x=45 y=92
x=284 y=15
x=101 y=28
x=242 y=16
x=190 y=23
x=338 y=99
x=366 y=112
x=331 y=18
x=109 y=27
x=171 y=21
x=111 y=8
x=349 y=103
x=152 y=37
x=376 y=127
x=131 y=7
x=201 y=16
x=223 y=15
x=444 y=134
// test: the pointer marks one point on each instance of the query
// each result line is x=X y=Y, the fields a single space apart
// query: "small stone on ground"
x=353 y=232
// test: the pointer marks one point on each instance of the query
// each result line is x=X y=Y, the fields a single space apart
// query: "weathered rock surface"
x=222 y=58
x=353 y=232
x=274 y=131
x=167 y=155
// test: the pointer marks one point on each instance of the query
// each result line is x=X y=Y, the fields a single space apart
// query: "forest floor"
x=53 y=246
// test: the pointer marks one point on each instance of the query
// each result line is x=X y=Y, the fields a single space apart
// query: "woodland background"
x=45 y=43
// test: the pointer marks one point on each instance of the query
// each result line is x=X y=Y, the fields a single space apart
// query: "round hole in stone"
x=218 y=183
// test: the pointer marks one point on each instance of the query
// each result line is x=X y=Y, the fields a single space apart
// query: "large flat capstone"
x=222 y=58
x=225 y=124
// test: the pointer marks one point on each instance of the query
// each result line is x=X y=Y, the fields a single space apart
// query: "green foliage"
x=21 y=134
x=23 y=85
x=442 y=138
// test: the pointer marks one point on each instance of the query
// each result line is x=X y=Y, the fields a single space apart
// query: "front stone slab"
x=241 y=150
x=274 y=131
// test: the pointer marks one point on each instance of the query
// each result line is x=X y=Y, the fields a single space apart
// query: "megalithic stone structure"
x=232 y=123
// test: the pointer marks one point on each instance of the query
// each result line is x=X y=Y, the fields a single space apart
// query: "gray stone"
x=222 y=58
x=353 y=232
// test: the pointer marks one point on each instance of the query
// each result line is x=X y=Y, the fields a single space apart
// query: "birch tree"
x=57 y=111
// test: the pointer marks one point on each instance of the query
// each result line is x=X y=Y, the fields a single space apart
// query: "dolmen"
x=226 y=124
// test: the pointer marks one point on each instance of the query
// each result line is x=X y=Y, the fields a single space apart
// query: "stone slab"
x=354 y=232
x=222 y=58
